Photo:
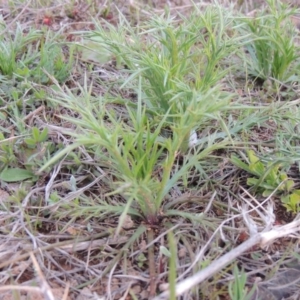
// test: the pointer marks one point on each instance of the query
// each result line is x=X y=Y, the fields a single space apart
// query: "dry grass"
x=65 y=249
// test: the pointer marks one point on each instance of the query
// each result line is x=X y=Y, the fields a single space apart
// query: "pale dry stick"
x=268 y=218
x=32 y=237
x=45 y=288
x=95 y=244
x=262 y=238
x=109 y=281
x=33 y=113
x=52 y=264
x=16 y=226
x=21 y=218
x=72 y=195
x=20 y=223
x=256 y=208
x=259 y=204
x=24 y=204
x=19 y=288
x=54 y=129
x=66 y=292
x=55 y=246
x=13 y=138
x=26 y=199
x=210 y=202
x=202 y=251
x=88 y=257
x=135 y=278
x=49 y=185
x=124 y=297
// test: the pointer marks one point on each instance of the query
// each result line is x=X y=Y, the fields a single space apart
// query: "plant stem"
x=151 y=260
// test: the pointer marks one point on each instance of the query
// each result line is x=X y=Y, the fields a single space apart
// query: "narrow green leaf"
x=252 y=157
x=59 y=155
x=294 y=199
x=172 y=266
x=252 y=181
x=35 y=133
x=15 y=174
x=30 y=142
x=238 y=163
x=163 y=250
x=267 y=193
x=257 y=168
x=43 y=135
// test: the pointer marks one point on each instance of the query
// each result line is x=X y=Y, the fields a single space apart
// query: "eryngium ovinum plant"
x=173 y=66
x=270 y=41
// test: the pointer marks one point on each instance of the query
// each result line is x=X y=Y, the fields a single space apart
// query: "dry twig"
x=262 y=239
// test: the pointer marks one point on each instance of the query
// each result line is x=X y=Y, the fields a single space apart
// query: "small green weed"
x=175 y=61
x=268 y=178
x=7 y=155
x=12 y=46
x=135 y=152
x=16 y=175
x=237 y=288
x=52 y=61
x=174 y=71
x=292 y=201
x=28 y=56
x=142 y=134
x=271 y=45
x=21 y=158
x=37 y=137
